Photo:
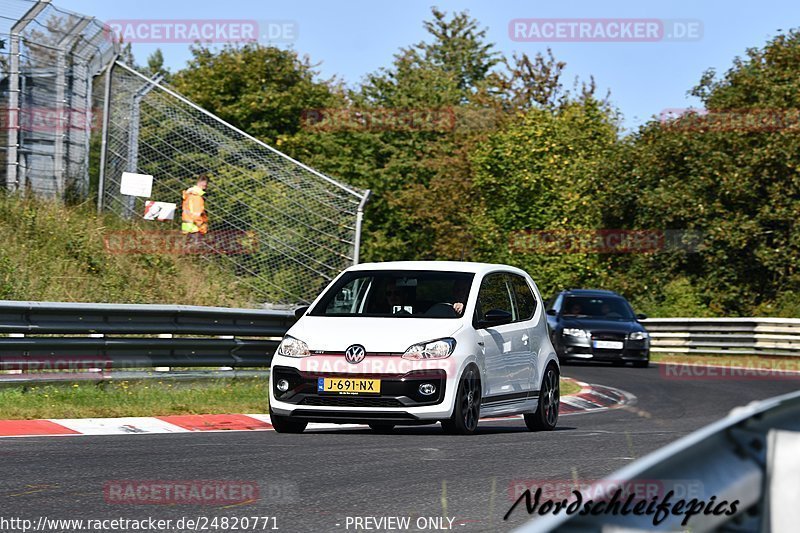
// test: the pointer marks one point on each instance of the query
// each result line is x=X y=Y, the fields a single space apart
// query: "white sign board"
x=159 y=210
x=136 y=184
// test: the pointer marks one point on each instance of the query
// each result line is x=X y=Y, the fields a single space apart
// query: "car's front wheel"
x=545 y=417
x=467 y=408
x=285 y=424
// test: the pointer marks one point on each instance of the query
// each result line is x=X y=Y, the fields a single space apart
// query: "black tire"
x=467 y=409
x=642 y=364
x=546 y=416
x=381 y=427
x=285 y=424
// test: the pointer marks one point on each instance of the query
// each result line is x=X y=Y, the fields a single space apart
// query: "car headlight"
x=575 y=332
x=438 y=349
x=291 y=347
x=638 y=336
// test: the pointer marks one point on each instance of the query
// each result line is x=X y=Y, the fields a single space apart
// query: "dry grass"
x=49 y=252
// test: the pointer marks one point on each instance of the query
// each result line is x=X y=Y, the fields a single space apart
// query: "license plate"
x=608 y=345
x=349 y=385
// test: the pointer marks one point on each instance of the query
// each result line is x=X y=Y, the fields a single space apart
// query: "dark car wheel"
x=642 y=364
x=285 y=424
x=467 y=409
x=545 y=417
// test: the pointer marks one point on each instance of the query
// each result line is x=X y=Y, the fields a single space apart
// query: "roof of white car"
x=449 y=266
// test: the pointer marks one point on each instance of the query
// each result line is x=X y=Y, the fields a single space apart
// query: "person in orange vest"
x=193 y=215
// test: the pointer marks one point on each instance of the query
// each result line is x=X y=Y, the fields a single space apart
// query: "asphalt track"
x=315 y=481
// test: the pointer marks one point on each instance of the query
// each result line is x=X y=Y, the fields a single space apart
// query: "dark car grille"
x=350 y=401
x=608 y=336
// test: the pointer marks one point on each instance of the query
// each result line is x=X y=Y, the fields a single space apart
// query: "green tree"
x=539 y=178
x=155 y=65
x=731 y=174
x=263 y=90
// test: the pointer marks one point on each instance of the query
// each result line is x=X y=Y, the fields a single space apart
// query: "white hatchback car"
x=419 y=342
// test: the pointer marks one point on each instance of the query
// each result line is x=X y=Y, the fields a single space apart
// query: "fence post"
x=359 y=221
x=133 y=133
x=104 y=142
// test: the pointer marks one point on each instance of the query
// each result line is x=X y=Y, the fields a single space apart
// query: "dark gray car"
x=597 y=325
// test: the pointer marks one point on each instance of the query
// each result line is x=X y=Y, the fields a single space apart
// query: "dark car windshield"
x=397 y=293
x=605 y=307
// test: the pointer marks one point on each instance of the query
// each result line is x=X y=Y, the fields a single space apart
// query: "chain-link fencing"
x=285 y=229
x=50 y=59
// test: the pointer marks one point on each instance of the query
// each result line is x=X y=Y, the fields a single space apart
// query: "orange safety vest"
x=193 y=215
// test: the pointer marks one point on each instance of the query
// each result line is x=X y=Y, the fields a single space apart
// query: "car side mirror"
x=641 y=316
x=495 y=317
x=552 y=312
x=300 y=311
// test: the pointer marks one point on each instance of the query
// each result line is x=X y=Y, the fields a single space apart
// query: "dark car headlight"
x=638 y=336
x=576 y=332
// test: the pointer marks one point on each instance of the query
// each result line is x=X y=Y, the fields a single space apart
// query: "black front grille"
x=608 y=336
x=350 y=401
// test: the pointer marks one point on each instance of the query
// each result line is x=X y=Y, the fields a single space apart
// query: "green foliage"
x=261 y=89
x=524 y=154
x=678 y=298
x=733 y=179
x=545 y=173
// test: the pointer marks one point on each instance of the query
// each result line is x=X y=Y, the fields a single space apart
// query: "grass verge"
x=145 y=398
x=53 y=252
x=569 y=386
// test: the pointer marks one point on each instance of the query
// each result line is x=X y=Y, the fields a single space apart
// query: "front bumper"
x=577 y=349
x=399 y=400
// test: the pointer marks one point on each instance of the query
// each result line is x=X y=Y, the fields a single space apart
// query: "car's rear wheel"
x=380 y=427
x=285 y=424
x=467 y=409
x=545 y=417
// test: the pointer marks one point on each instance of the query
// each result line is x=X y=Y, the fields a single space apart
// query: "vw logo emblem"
x=355 y=354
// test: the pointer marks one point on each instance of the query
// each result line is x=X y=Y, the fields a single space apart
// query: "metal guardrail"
x=52 y=335
x=111 y=336
x=725 y=336
x=750 y=456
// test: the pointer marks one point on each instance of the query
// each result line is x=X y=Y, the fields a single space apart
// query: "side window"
x=494 y=294
x=526 y=302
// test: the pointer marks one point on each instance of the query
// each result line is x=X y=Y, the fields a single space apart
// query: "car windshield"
x=605 y=307
x=397 y=294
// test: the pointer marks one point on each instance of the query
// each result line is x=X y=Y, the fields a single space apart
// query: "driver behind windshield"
x=460 y=292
